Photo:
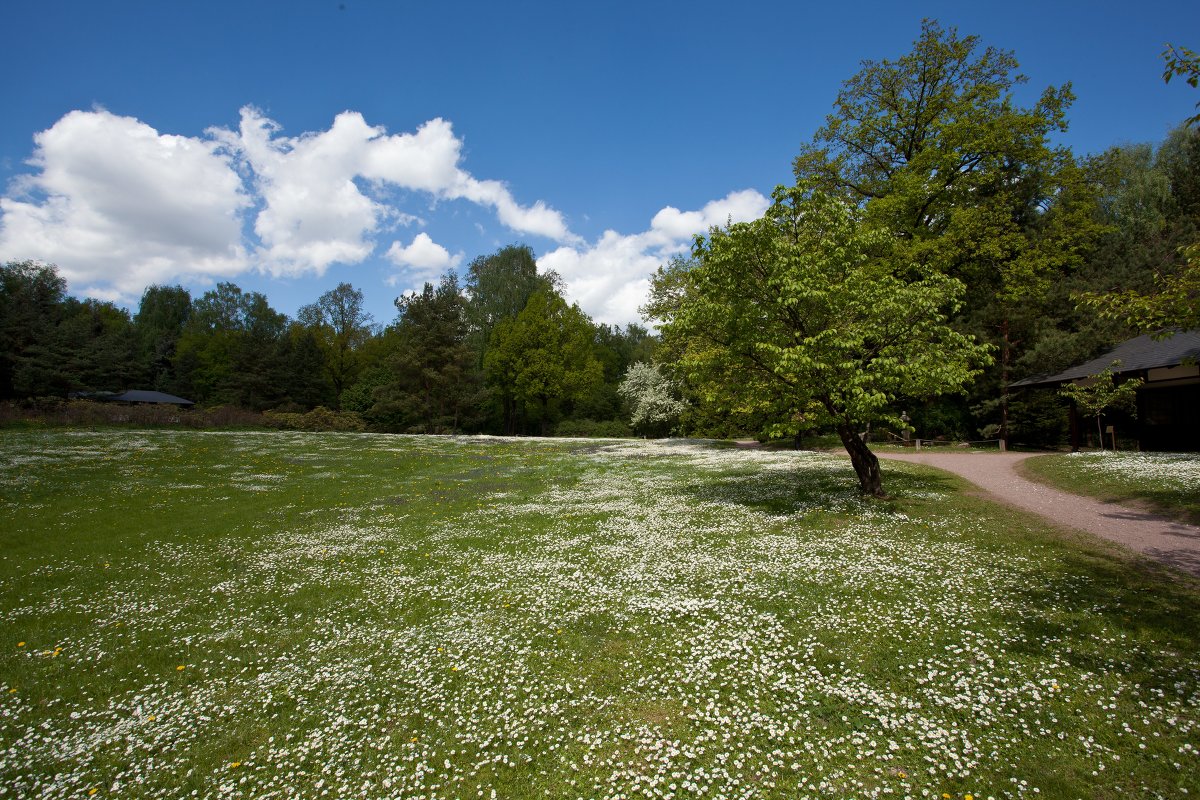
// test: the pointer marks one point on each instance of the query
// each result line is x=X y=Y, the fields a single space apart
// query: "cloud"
x=313 y=214
x=423 y=253
x=422 y=260
x=316 y=213
x=119 y=206
x=611 y=278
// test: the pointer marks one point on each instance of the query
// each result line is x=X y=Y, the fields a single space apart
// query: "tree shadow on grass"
x=1106 y=611
x=816 y=486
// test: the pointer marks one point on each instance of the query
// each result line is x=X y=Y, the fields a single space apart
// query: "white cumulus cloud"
x=421 y=261
x=316 y=213
x=118 y=206
x=611 y=278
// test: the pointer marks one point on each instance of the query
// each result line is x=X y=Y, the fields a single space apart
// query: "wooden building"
x=1168 y=404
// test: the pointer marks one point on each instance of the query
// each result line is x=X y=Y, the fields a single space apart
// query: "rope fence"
x=918 y=443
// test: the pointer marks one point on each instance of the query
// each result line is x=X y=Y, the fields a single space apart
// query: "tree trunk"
x=866 y=465
x=1005 y=357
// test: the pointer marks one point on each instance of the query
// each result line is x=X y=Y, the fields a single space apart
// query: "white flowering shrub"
x=654 y=407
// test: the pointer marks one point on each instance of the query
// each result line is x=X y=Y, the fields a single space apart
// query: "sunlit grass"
x=287 y=615
x=1168 y=483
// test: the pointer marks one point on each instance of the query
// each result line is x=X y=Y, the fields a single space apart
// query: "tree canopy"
x=816 y=318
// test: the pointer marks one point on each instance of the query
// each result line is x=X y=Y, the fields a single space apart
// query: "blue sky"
x=290 y=146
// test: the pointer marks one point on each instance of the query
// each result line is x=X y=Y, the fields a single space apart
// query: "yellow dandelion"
x=234 y=764
x=92 y=791
x=153 y=717
x=180 y=668
x=413 y=739
x=20 y=644
x=969 y=797
x=12 y=691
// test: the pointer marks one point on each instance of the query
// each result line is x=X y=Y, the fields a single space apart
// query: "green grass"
x=1166 y=483
x=375 y=616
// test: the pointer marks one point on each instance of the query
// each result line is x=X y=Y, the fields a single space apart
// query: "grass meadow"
x=286 y=615
x=1168 y=483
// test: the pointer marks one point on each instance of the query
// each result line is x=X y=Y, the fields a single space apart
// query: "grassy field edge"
x=1055 y=470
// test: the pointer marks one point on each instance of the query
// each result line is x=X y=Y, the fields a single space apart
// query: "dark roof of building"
x=1135 y=355
x=142 y=396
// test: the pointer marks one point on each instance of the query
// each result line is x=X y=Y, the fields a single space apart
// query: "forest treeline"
x=931 y=149
x=502 y=353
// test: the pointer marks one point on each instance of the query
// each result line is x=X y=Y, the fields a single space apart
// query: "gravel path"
x=1159 y=538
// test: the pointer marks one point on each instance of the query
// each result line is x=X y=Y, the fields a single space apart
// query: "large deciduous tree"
x=342 y=326
x=498 y=286
x=541 y=359
x=937 y=150
x=809 y=315
x=162 y=314
x=228 y=350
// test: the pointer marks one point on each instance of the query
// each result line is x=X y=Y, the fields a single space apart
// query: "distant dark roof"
x=1135 y=355
x=141 y=396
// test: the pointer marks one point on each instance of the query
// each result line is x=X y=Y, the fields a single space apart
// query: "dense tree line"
x=504 y=353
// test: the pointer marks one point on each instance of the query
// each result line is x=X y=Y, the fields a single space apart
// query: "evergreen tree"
x=434 y=384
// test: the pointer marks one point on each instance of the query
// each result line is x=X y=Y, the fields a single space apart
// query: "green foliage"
x=593 y=429
x=810 y=317
x=499 y=285
x=1174 y=303
x=227 y=352
x=162 y=315
x=932 y=135
x=319 y=419
x=432 y=384
x=1180 y=62
x=229 y=347
x=30 y=296
x=1101 y=392
x=51 y=344
x=342 y=327
x=936 y=149
x=1150 y=279
x=541 y=359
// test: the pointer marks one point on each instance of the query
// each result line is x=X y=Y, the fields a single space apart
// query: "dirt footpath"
x=1159 y=538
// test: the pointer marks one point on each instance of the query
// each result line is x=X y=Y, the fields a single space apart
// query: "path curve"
x=1159 y=538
